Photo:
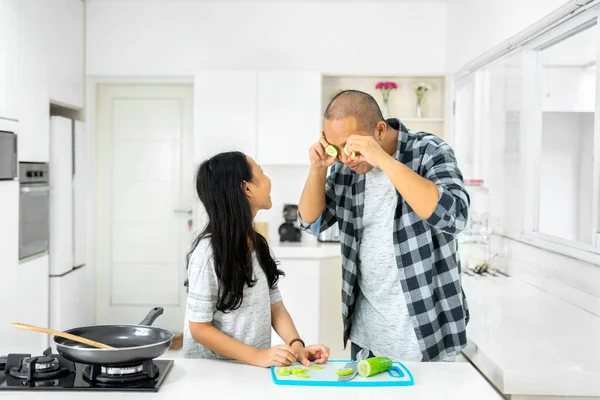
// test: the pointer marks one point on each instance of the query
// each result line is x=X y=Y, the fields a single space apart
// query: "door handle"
x=184 y=212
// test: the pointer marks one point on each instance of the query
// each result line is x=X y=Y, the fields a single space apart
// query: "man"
x=399 y=200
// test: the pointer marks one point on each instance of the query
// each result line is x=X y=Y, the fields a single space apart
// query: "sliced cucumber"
x=316 y=367
x=303 y=376
x=282 y=371
x=331 y=150
x=298 y=370
x=354 y=153
x=344 y=371
x=374 y=365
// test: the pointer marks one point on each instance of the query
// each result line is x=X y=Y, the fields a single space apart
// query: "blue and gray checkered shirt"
x=426 y=250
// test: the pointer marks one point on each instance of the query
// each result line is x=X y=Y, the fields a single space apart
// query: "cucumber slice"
x=374 y=365
x=344 y=371
x=282 y=371
x=316 y=367
x=354 y=153
x=298 y=370
x=331 y=150
x=303 y=376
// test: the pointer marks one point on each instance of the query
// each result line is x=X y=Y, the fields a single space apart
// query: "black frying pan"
x=133 y=343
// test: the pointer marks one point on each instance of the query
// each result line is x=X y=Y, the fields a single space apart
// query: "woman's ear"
x=247 y=189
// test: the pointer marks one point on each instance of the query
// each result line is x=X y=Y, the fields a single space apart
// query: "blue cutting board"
x=398 y=375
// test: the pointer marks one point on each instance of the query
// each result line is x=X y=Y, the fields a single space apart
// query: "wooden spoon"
x=65 y=335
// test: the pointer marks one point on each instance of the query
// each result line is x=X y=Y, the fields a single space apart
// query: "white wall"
x=147 y=37
x=286 y=187
x=476 y=26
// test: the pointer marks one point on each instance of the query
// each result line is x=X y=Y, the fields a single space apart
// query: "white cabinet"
x=9 y=64
x=9 y=261
x=273 y=117
x=32 y=278
x=64 y=42
x=70 y=302
x=224 y=113
x=311 y=291
x=289 y=120
x=34 y=138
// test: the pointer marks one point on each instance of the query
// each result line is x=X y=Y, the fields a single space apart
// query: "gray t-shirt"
x=249 y=324
x=381 y=322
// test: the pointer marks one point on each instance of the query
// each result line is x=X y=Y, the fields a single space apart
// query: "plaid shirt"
x=426 y=250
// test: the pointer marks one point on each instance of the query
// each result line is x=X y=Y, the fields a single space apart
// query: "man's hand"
x=319 y=159
x=317 y=353
x=367 y=149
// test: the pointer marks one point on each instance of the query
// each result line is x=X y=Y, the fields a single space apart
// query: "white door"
x=144 y=180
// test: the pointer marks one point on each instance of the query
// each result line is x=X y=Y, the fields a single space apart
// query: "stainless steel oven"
x=34 y=210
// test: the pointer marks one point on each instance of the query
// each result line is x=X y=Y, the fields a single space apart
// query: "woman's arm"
x=210 y=337
x=284 y=326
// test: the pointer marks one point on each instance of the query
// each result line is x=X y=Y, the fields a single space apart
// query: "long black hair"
x=219 y=184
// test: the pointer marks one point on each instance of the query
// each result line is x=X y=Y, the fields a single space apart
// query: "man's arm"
x=316 y=210
x=312 y=200
x=440 y=197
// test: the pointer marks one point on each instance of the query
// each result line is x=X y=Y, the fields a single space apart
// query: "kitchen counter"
x=529 y=342
x=198 y=379
x=305 y=250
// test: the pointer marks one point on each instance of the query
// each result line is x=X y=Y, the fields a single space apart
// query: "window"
x=526 y=124
x=567 y=94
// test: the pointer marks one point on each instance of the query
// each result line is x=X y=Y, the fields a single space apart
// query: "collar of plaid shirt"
x=426 y=250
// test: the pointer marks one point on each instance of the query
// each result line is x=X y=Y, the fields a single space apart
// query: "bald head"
x=353 y=103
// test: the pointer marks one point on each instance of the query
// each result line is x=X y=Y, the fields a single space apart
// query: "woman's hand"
x=276 y=356
x=317 y=353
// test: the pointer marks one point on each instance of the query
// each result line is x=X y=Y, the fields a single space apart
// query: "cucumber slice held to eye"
x=331 y=150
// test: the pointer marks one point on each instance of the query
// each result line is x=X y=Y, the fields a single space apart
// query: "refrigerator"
x=71 y=301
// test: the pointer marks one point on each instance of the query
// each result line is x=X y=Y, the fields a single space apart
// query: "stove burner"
x=121 y=374
x=42 y=368
x=122 y=370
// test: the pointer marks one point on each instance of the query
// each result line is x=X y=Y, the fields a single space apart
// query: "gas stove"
x=54 y=372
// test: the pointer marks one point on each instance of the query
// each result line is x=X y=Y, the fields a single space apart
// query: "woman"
x=233 y=299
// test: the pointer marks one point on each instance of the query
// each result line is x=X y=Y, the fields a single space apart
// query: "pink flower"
x=386 y=85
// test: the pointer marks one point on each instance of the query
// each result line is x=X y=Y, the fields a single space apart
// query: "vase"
x=419 y=107
x=385 y=110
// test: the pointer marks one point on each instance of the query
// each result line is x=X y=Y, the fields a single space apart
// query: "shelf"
x=413 y=119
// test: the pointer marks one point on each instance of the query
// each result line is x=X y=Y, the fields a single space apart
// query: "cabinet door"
x=225 y=113
x=289 y=116
x=9 y=66
x=9 y=263
x=33 y=91
x=33 y=278
x=63 y=51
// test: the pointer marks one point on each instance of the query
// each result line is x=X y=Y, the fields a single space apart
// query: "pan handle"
x=152 y=315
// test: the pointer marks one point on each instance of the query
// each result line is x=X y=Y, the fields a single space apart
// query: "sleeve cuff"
x=442 y=209
x=314 y=228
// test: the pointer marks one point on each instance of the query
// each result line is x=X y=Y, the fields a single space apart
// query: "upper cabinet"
x=224 y=112
x=273 y=117
x=64 y=58
x=9 y=64
x=289 y=116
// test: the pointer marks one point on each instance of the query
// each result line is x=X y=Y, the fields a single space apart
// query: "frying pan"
x=132 y=343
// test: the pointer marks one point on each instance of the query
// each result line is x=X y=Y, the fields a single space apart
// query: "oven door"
x=34 y=220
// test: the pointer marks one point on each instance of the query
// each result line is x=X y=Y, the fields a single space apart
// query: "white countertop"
x=305 y=250
x=529 y=342
x=202 y=379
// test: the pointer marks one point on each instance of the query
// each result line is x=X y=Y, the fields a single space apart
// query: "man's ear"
x=380 y=130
